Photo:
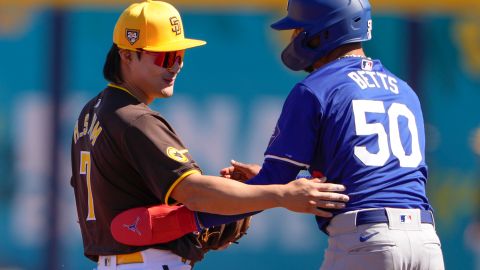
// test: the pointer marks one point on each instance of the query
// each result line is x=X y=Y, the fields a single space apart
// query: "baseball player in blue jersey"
x=359 y=125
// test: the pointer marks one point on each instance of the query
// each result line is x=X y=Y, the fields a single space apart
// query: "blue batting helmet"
x=332 y=22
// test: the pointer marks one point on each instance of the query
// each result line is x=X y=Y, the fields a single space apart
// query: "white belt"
x=146 y=256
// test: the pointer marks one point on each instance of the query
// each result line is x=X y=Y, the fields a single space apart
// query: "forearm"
x=222 y=196
x=272 y=172
x=226 y=197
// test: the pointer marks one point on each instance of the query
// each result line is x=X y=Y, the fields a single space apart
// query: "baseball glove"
x=220 y=237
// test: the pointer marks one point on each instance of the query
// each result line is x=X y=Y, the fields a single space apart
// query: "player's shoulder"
x=347 y=74
x=403 y=88
x=122 y=105
x=117 y=110
x=150 y=119
x=326 y=81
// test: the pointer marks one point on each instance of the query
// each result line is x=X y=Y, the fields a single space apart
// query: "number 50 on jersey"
x=388 y=143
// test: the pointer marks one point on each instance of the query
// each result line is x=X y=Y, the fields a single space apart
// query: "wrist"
x=279 y=194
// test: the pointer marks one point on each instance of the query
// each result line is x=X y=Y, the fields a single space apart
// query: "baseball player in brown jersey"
x=124 y=155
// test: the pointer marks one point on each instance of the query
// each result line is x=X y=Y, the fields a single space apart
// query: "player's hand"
x=308 y=196
x=240 y=171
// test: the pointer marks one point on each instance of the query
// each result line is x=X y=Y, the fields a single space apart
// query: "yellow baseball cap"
x=152 y=26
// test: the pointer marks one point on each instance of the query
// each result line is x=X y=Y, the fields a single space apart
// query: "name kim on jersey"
x=374 y=79
x=92 y=129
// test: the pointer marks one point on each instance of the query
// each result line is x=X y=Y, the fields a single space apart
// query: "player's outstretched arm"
x=162 y=223
x=216 y=195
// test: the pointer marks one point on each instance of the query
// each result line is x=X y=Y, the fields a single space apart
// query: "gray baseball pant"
x=402 y=242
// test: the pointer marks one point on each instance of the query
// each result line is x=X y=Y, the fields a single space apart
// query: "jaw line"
x=166 y=95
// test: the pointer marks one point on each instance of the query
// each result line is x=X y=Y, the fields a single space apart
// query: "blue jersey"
x=359 y=125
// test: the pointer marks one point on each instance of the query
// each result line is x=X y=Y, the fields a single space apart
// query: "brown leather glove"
x=220 y=237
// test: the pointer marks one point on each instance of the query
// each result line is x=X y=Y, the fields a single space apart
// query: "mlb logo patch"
x=406 y=219
x=367 y=64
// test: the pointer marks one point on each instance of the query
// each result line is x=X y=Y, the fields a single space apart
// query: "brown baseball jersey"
x=124 y=155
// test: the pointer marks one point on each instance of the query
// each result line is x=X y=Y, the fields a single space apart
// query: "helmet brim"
x=287 y=23
x=179 y=45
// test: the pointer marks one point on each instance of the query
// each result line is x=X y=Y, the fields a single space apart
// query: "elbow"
x=192 y=200
x=193 y=204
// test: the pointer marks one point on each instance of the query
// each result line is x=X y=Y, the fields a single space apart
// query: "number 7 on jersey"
x=86 y=169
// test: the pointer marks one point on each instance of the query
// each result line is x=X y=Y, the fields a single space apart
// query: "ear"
x=125 y=55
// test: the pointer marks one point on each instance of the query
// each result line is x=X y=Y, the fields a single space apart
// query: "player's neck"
x=136 y=92
x=354 y=49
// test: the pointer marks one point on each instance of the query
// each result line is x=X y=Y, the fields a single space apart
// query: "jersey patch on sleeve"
x=178 y=155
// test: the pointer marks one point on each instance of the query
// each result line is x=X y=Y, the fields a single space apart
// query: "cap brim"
x=286 y=24
x=176 y=46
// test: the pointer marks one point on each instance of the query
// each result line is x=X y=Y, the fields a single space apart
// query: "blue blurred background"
x=226 y=102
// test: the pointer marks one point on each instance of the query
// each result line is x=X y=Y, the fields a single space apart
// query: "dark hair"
x=111 y=69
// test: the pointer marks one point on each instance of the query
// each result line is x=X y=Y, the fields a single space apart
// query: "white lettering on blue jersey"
x=370 y=79
x=363 y=128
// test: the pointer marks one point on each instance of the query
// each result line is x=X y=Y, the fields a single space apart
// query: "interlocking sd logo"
x=176 y=27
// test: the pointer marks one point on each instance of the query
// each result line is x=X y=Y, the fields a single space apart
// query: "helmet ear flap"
x=316 y=41
x=299 y=55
